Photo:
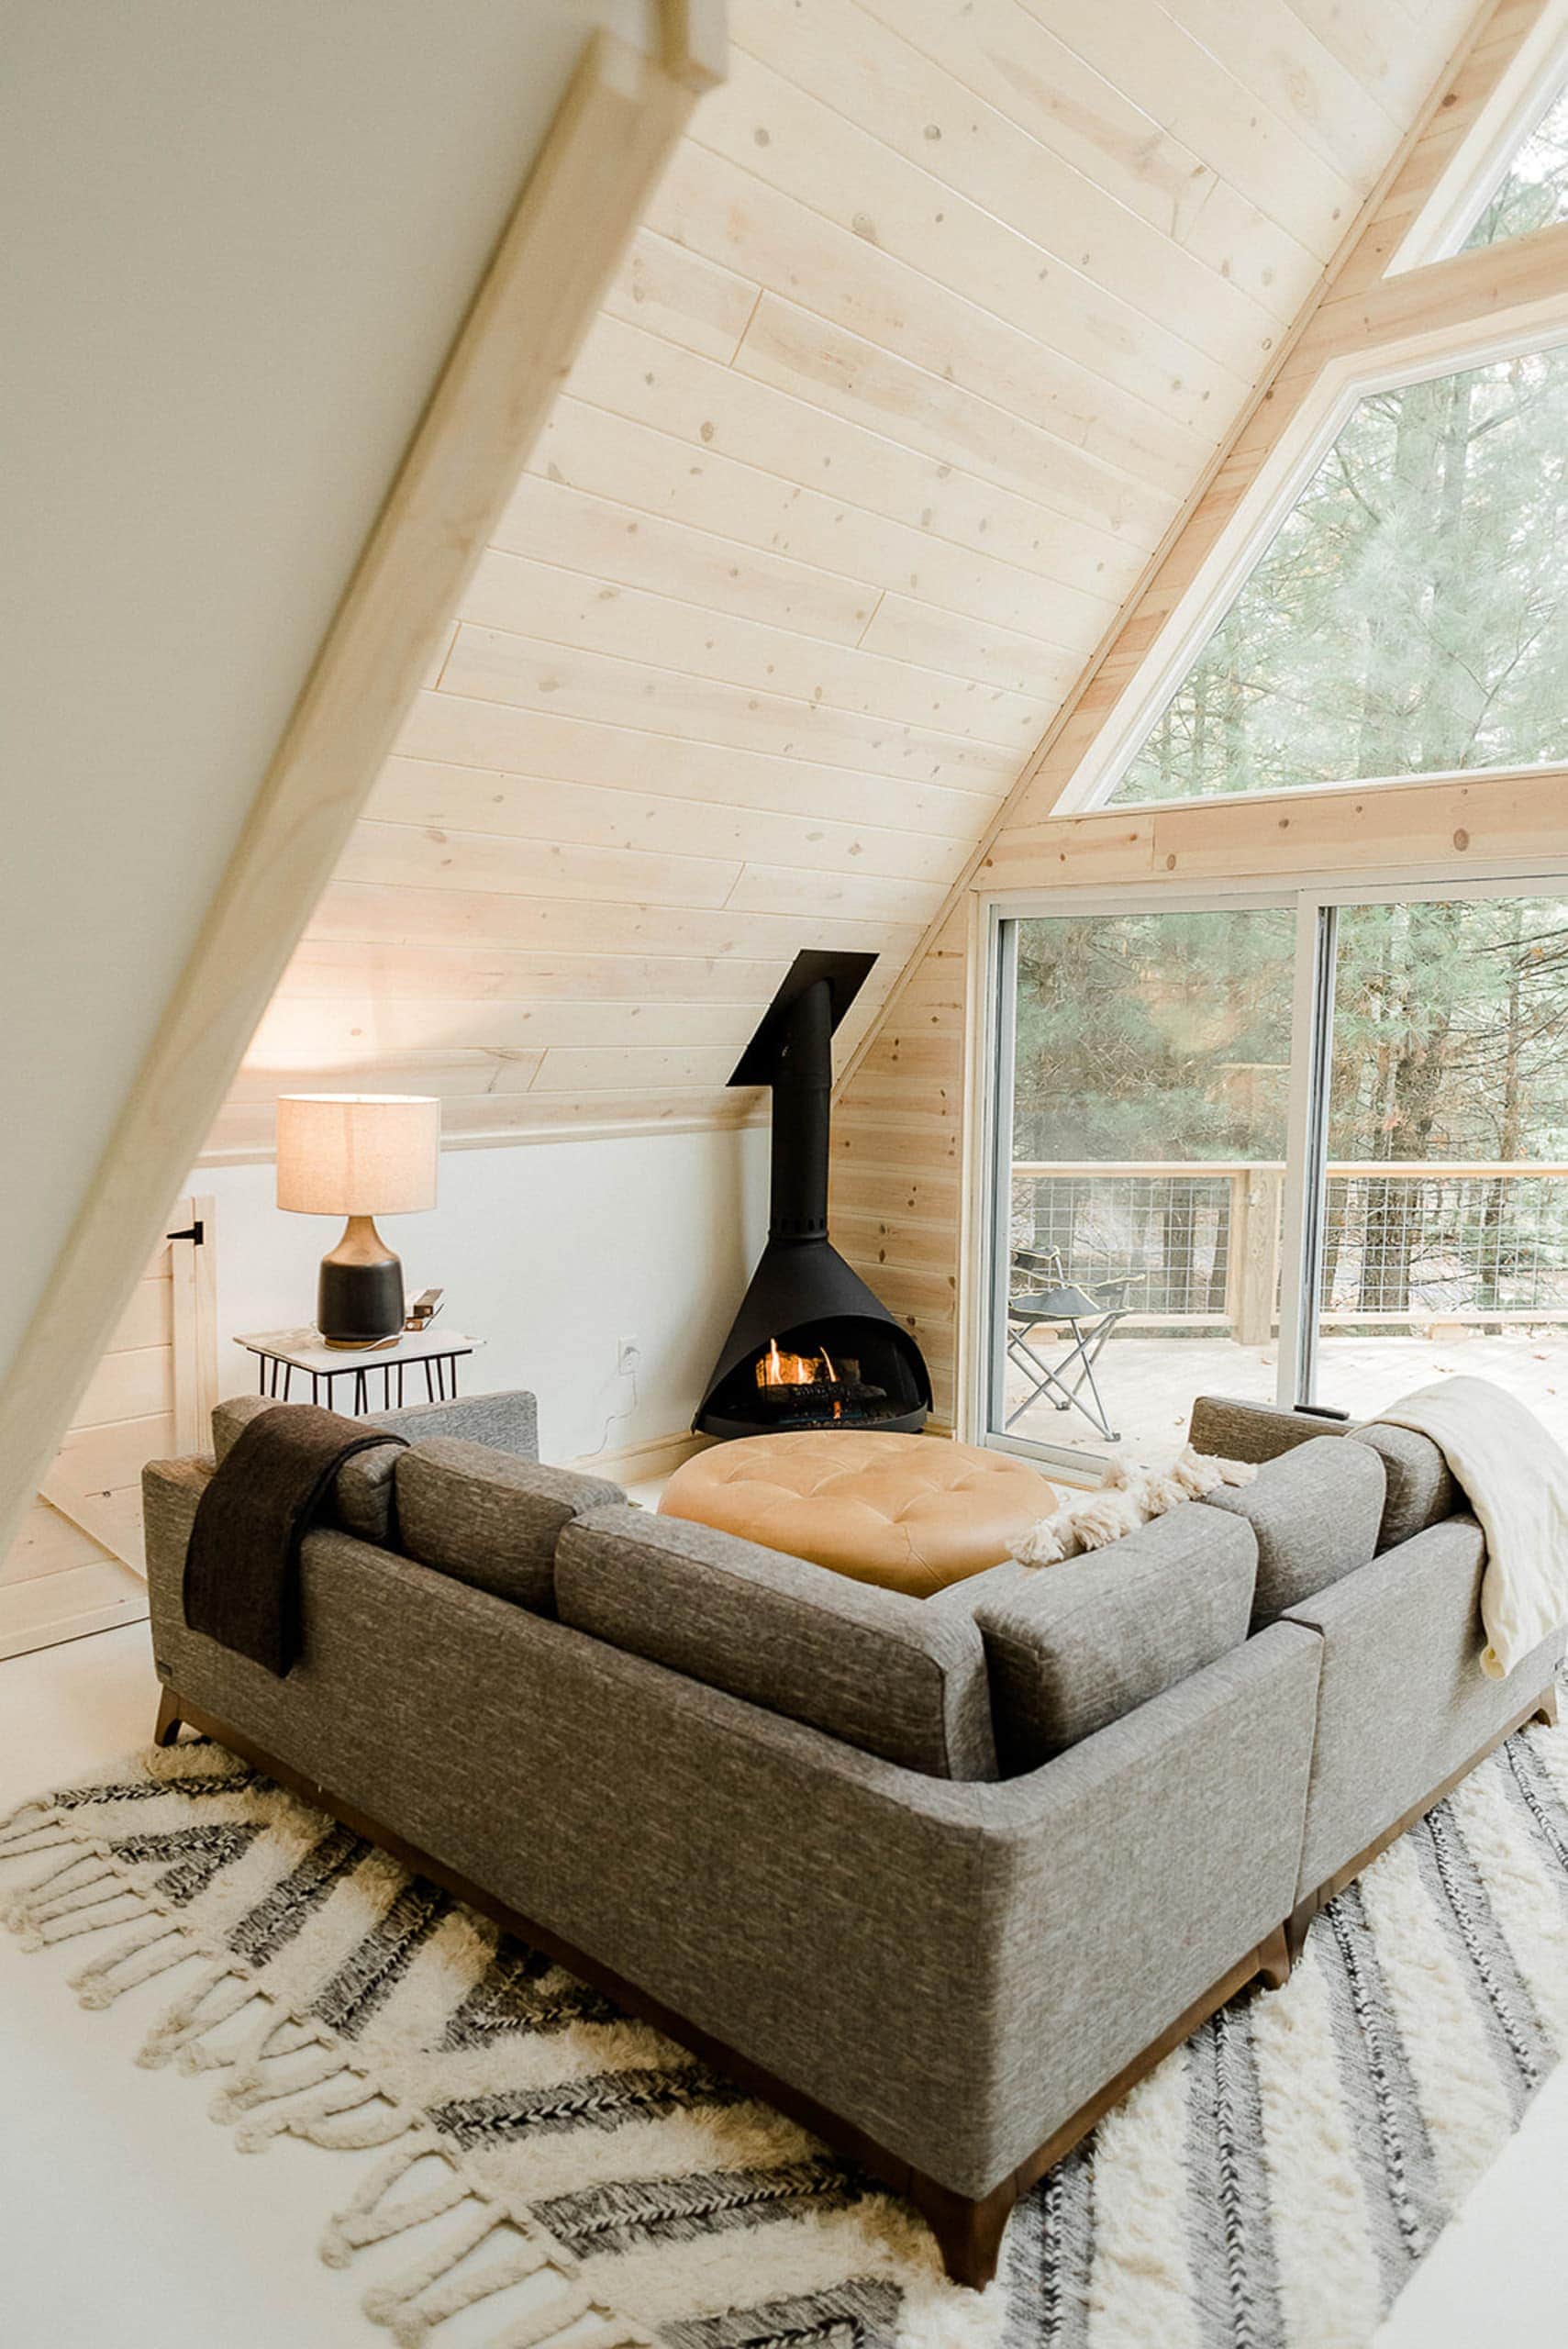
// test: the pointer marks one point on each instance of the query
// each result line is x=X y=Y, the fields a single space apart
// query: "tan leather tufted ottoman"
x=910 y=1512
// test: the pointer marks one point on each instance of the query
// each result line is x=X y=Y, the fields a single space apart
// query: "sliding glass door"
x=1150 y=1068
x=1289 y=1147
x=1445 y=1200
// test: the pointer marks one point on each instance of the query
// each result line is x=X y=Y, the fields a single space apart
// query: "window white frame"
x=1261 y=514
x=1478 y=168
x=1316 y=898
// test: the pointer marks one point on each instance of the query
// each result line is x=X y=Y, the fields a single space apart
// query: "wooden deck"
x=1149 y=1381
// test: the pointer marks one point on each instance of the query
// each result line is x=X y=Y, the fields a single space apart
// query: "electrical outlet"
x=629 y=1354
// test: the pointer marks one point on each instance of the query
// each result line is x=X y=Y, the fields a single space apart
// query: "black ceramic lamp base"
x=359 y=1296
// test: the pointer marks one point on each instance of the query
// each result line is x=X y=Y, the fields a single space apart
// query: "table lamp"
x=359 y=1156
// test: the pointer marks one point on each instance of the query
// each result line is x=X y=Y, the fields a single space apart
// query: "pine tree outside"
x=1408 y=617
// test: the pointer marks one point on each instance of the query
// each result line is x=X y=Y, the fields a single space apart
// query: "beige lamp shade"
x=358 y=1153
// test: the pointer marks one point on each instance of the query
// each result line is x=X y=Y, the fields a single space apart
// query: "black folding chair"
x=1049 y=1299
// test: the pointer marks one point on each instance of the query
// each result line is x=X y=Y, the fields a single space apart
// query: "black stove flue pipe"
x=803 y=1092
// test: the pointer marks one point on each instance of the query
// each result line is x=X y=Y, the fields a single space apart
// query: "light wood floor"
x=1148 y=1383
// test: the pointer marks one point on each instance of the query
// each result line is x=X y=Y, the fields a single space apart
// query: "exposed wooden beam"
x=1520 y=283
x=617 y=127
x=1449 y=820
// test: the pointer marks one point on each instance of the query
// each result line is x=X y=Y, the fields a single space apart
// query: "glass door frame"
x=1317 y=898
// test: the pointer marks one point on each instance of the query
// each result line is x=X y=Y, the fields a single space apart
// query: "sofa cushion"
x=1317 y=1512
x=873 y=1668
x=1071 y=1648
x=1421 y=1491
x=489 y=1519
x=363 y=1492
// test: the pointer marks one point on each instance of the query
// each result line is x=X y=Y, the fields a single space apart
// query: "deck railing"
x=1405 y=1245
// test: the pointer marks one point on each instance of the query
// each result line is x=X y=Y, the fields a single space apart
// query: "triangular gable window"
x=1533 y=192
x=1411 y=615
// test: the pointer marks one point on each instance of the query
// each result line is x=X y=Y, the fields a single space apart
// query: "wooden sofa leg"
x=1547 y=1708
x=167 y=1728
x=1276 y=1958
x=969 y=2234
x=1296 y=1923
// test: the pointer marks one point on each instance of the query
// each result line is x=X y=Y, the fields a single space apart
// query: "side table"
x=280 y=1352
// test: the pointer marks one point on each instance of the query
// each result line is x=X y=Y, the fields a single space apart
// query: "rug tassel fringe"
x=28 y=1818
x=370 y=2218
x=48 y=1834
x=67 y=1908
x=202 y=2008
x=25 y=1908
x=275 y=2039
x=278 y=2087
x=138 y=1958
x=415 y=2304
x=231 y=2104
x=326 y=2117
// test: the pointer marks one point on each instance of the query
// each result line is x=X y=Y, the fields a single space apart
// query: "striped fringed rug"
x=1270 y=2187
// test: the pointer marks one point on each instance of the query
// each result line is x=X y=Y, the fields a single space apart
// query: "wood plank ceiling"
x=930 y=335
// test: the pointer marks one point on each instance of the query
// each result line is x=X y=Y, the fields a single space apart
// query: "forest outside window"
x=1533 y=190
x=1409 y=618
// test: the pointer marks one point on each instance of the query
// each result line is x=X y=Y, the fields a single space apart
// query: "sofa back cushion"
x=872 y=1667
x=490 y=1519
x=1317 y=1512
x=1071 y=1648
x=1420 y=1487
x=362 y=1499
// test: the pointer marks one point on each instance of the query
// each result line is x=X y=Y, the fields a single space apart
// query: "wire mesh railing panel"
x=1164 y=1239
x=1401 y=1245
x=1432 y=1245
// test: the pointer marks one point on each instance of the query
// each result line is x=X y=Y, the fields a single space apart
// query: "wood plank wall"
x=940 y=316
x=75 y=1564
x=899 y=1120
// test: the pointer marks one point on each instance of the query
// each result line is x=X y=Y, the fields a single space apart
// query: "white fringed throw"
x=1129 y=1494
x=1515 y=1476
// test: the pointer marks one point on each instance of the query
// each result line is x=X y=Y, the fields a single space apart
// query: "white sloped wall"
x=238 y=243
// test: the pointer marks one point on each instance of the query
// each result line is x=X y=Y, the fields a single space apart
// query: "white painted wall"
x=551 y=1251
x=239 y=241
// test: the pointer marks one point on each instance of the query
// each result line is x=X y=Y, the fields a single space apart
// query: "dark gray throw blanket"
x=241 y=1584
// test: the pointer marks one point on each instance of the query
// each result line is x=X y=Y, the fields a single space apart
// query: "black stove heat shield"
x=811 y=1346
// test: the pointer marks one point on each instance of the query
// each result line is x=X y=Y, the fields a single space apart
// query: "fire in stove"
x=814 y=1388
x=776 y=1369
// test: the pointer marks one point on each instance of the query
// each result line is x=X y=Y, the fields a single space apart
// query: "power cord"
x=614 y=1419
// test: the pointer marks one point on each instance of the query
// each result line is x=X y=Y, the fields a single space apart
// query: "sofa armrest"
x=1229 y=1429
x=1403 y=1702
x=170 y=1491
x=1170 y=1838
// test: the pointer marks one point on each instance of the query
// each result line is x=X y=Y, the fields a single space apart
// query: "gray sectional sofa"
x=943 y=1876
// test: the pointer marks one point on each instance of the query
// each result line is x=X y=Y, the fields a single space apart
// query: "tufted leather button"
x=911 y=1512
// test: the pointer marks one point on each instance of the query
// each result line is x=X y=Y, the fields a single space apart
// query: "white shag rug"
x=1270 y=2187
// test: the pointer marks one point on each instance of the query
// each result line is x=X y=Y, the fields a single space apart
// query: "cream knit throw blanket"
x=1515 y=1476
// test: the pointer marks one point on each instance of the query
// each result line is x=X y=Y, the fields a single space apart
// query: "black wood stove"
x=811 y=1347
